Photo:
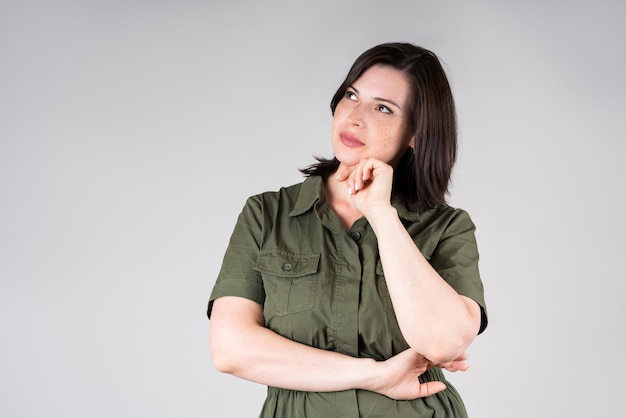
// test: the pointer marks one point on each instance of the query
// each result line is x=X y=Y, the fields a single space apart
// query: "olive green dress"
x=325 y=287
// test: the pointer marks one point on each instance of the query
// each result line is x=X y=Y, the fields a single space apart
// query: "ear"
x=412 y=142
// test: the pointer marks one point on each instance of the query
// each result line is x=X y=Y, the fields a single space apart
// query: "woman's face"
x=373 y=117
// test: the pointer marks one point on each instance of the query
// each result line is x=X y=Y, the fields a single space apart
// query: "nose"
x=356 y=116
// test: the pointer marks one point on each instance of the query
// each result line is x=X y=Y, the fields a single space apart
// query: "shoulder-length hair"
x=423 y=174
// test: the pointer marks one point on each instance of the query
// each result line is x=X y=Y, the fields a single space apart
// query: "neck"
x=340 y=201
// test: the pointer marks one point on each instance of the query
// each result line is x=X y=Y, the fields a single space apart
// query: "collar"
x=312 y=191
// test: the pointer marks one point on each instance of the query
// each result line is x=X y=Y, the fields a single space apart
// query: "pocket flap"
x=286 y=264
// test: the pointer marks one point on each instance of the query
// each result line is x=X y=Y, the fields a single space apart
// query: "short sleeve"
x=237 y=276
x=456 y=259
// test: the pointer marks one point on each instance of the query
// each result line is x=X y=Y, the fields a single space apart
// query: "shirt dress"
x=324 y=286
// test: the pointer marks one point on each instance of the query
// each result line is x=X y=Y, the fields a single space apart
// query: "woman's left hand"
x=369 y=183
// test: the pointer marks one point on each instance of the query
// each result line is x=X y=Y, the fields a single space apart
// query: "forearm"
x=242 y=346
x=434 y=319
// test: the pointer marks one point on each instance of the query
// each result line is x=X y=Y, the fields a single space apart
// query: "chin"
x=348 y=159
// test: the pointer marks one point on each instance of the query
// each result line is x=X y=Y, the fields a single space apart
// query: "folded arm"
x=434 y=319
x=242 y=346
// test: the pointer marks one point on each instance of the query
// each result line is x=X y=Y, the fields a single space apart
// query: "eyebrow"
x=380 y=99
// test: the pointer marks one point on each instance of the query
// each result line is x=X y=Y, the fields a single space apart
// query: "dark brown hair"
x=422 y=176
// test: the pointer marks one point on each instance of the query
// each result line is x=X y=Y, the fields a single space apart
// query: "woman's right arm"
x=241 y=345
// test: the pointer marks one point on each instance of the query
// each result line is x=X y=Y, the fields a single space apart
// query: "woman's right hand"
x=400 y=376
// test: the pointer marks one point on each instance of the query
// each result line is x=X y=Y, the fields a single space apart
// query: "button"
x=287 y=267
x=355 y=235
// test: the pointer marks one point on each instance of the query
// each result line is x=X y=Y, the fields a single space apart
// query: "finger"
x=457 y=367
x=354 y=184
x=343 y=172
x=462 y=357
x=363 y=173
x=451 y=366
x=368 y=170
x=430 y=388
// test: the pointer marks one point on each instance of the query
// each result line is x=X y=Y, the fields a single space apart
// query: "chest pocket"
x=290 y=280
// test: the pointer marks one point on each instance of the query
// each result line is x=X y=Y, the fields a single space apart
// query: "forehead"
x=384 y=82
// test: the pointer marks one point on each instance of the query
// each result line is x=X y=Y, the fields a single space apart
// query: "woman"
x=348 y=293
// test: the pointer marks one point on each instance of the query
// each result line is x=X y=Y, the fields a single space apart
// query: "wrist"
x=380 y=214
x=374 y=376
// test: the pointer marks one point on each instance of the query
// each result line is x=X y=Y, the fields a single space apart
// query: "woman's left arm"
x=434 y=319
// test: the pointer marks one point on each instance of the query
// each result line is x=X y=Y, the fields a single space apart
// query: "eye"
x=350 y=95
x=384 y=109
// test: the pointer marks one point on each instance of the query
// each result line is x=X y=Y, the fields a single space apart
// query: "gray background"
x=131 y=133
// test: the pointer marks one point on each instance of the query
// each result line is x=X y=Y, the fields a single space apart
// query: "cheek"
x=337 y=117
x=393 y=136
x=340 y=109
x=334 y=128
x=394 y=141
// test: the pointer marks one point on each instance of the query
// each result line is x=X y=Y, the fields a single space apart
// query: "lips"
x=350 y=140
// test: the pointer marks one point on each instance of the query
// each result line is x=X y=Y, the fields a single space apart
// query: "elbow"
x=445 y=352
x=225 y=359
x=224 y=354
x=221 y=361
x=232 y=332
x=445 y=348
